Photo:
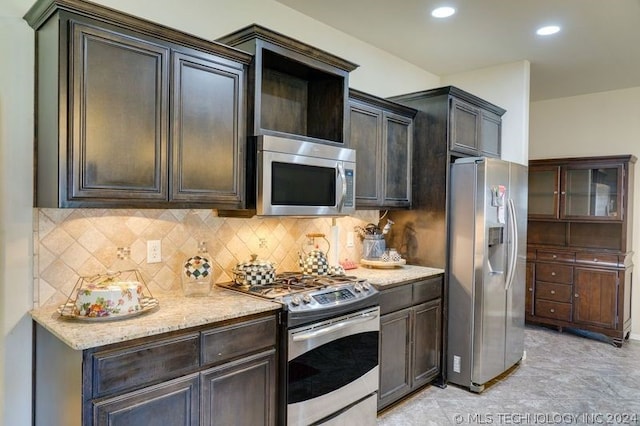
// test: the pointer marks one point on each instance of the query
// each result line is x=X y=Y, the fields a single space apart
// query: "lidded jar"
x=254 y=272
x=197 y=273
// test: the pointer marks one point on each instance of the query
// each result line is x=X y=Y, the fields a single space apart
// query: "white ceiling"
x=597 y=50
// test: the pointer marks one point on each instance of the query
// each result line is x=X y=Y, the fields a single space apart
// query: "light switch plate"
x=154 y=251
x=350 y=239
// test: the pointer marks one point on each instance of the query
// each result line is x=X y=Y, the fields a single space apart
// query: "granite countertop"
x=387 y=278
x=176 y=312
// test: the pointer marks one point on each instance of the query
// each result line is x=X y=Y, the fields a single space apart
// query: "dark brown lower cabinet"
x=241 y=392
x=171 y=403
x=219 y=374
x=410 y=338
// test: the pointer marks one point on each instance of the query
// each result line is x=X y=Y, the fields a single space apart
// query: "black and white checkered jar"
x=254 y=272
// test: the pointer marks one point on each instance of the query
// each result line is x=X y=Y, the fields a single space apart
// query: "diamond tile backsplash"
x=74 y=243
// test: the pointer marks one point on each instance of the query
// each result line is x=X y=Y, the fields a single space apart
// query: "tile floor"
x=565 y=379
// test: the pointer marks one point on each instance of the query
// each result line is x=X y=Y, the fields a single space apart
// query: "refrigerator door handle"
x=513 y=252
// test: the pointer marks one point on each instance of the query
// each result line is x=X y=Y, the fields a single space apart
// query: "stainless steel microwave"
x=300 y=178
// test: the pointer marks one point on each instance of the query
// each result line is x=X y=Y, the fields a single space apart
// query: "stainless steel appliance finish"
x=487 y=266
x=333 y=370
x=332 y=324
x=300 y=178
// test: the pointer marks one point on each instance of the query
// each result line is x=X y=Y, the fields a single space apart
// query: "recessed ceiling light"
x=443 y=12
x=548 y=30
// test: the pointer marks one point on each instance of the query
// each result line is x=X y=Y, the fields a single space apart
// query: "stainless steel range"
x=332 y=324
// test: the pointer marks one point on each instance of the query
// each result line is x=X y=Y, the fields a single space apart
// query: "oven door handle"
x=333 y=327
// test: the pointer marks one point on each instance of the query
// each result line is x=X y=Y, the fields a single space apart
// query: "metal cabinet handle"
x=563 y=193
x=575 y=295
x=553 y=292
x=555 y=256
x=530 y=289
x=555 y=192
x=552 y=310
x=595 y=259
x=553 y=274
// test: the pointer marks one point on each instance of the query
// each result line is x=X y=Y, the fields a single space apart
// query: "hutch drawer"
x=554 y=273
x=604 y=259
x=553 y=291
x=554 y=310
x=555 y=256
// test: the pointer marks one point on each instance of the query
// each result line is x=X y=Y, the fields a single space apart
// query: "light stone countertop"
x=175 y=312
x=387 y=278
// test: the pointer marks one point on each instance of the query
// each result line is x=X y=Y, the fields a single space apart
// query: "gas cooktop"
x=311 y=298
x=287 y=283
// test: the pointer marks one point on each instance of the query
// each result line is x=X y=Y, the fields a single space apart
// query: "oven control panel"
x=331 y=297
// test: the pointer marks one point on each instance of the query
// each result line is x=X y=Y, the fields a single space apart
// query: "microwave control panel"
x=349 y=198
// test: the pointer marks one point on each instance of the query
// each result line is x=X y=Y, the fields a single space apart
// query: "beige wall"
x=16 y=165
x=604 y=123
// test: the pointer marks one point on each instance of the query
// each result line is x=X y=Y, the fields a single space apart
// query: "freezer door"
x=490 y=303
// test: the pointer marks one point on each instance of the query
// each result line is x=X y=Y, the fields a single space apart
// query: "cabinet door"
x=397 y=142
x=490 y=134
x=366 y=139
x=208 y=129
x=544 y=184
x=592 y=192
x=170 y=403
x=242 y=392
x=464 y=127
x=595 y=297
x=426 y=341
x=118 y=113
x=395 y=356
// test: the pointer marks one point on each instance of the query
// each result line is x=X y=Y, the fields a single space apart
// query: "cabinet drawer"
x=122 y=369
x=552 y=291
x=426 y=290
x=554 y=273
x=554 y=310
x=556 y=256
x=395 y=298
x=604 y=259
x=235 y=340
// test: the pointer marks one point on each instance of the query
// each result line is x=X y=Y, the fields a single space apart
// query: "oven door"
x=332 y=365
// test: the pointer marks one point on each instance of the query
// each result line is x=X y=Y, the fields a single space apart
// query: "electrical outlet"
x=154 y=251
x=350 y=239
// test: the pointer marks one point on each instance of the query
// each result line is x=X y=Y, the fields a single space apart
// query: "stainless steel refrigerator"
x=487 y=267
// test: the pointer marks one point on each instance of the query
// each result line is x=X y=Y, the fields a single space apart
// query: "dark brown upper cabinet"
x=475 y=128
x=133 y=114
x=441 y=113
x=294 y=89
x=381 y=132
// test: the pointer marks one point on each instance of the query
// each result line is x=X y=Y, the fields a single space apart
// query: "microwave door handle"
x=343 y=179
